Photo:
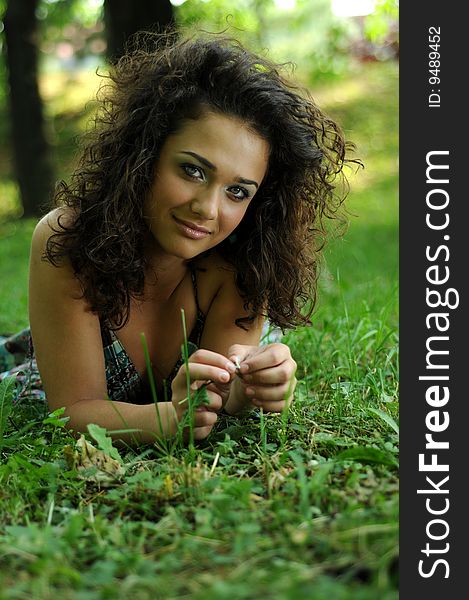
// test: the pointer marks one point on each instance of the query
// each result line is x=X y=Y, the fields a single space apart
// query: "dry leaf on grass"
x=93 y=464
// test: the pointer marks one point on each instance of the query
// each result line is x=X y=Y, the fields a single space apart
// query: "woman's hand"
x=204 y=366
x=267 y=374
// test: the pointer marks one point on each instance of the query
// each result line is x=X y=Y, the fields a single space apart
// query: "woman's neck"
x=163 y=274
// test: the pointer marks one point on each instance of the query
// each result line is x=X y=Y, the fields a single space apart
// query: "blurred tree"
x=30 y=147
x=123 y=18
x=382 y=28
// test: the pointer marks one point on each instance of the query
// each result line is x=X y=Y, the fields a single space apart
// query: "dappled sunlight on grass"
x=15 y=237
x=362 y=266
x=339 y=93
x=374 y=202
x=366 y=106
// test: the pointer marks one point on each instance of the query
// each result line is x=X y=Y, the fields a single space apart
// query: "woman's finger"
x=240 y=352
x=202 y=372
x=208 y=357
x=200 y=433
x=278 y=406
x=270 y=393
x=266 y=357
x=215 y=401
x=204 y=418
x=273 y=375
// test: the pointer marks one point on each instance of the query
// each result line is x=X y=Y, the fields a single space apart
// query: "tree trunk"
x=122 y=18
x=30 y=147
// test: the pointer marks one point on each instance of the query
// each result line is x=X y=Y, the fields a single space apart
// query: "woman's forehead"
x=224 y=141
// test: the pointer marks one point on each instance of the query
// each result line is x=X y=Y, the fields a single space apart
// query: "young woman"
x=203 y=187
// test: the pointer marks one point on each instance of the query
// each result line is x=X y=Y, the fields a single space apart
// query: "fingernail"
x=230 y=367
x=225 y=376
x=250 y=391
x=244 y=368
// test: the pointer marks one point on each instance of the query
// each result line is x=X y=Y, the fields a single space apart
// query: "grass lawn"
x=297 y=506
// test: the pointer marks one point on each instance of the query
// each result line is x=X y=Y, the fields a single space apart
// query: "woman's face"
x=207 y=174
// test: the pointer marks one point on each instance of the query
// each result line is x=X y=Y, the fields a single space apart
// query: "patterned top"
x=124 y=382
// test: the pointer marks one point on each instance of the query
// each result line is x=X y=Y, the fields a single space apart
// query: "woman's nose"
x=205 y=203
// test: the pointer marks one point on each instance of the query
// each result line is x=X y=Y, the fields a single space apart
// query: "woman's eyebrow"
x=201 y=159
x=248 y=182
x=212 y=167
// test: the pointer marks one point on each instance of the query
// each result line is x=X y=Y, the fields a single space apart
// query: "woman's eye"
x=239 y=192
x=193 y=171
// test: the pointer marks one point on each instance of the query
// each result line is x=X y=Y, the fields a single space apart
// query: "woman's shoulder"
x=52 y=221
x=43 y=268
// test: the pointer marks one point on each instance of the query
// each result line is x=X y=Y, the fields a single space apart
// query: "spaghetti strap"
x=194 y=285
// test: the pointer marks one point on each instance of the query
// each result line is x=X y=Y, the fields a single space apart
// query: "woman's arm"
x=69 y=352
x=66 y=334
x=267 y=374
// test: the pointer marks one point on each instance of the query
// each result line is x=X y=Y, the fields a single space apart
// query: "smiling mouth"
x=192 y=230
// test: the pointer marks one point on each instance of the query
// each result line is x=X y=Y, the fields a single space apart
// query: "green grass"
x=15 y=238
x=266 y=507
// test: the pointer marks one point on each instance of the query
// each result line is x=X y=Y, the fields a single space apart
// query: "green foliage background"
x=299 y=509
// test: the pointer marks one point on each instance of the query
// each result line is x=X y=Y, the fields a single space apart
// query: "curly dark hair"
x=160 y=83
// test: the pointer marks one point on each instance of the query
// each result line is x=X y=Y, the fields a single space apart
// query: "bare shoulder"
x=44 y=275
x=50 y=223
x=66 y=333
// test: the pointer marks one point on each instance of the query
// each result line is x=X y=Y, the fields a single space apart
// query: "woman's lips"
x=191 y=230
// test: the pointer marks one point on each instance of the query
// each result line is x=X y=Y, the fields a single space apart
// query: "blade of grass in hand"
x=185 y=356
x=151 y=379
